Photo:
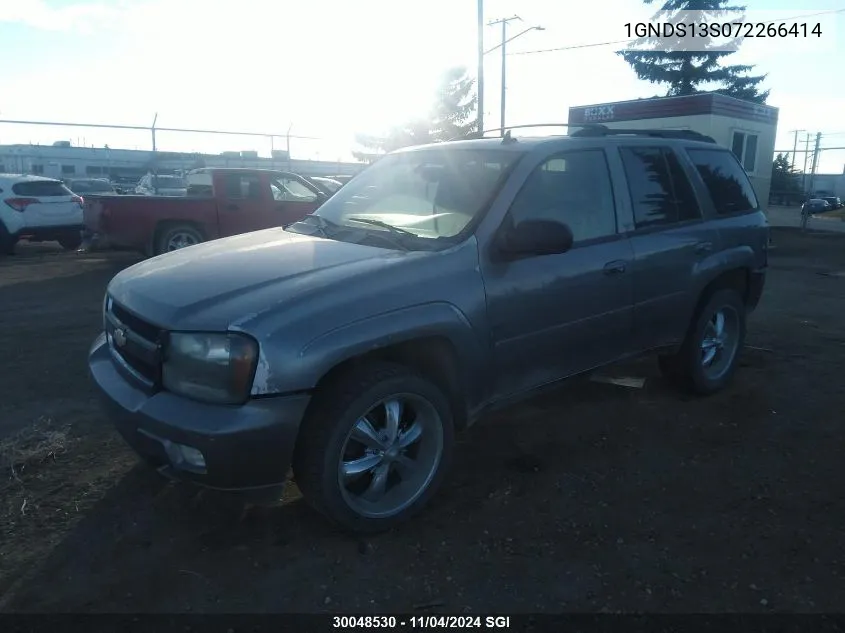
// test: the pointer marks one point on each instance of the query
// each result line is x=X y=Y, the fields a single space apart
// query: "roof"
x=27 y=178
x=666 y=107
x=250 y=170
x=523 y=144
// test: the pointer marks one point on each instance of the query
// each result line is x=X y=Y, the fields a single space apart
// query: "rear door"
x=47 y=203
x=293 y=198
x=670 y=239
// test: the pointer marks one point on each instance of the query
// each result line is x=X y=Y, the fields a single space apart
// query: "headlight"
x=210 y=367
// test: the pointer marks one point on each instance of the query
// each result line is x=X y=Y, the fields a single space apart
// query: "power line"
x=611 y=42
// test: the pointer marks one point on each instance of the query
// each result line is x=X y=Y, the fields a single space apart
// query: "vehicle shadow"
x=519 y=478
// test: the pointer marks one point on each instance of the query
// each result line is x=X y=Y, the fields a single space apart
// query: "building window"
x=93 y=170
x=744 y=147
x=68 y=170
x=37 y=169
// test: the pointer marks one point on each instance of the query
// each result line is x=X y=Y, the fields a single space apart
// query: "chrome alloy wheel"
x=391 y=455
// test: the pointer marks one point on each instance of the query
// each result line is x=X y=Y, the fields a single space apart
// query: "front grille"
x=134 y=343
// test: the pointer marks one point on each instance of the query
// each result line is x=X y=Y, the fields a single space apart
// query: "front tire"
x=708 y=357
x=374 y=447
x=71 y=241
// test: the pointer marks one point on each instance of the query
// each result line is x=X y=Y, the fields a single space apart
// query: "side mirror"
x=536 y=237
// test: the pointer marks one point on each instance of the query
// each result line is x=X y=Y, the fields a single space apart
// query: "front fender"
x=317 y=357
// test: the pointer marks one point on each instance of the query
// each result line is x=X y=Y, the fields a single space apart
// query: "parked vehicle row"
x=440 y=283
x=220 y=202
x=821 y=205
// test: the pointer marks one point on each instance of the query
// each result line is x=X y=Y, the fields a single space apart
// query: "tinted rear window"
x=725 y=179
x=41 y=189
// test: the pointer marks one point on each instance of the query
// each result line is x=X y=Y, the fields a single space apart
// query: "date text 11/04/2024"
x=721 y=29
x=352 y=623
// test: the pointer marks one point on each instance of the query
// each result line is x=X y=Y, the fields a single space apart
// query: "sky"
x=328 y=69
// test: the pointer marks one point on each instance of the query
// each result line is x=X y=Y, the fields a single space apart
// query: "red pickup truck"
x=220 y=202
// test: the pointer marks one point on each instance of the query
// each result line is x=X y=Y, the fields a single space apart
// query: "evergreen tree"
x=452 y=115
x=686 y=72
x=786 y=186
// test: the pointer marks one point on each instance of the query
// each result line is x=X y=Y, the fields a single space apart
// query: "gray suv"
x=441 y=282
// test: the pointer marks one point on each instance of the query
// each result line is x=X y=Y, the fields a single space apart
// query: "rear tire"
x=7 y=242
x=708 y=357
x=70 y=242
x=176 y=237
x=374 y=447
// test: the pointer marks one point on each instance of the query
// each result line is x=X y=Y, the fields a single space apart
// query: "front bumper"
x=245 y=447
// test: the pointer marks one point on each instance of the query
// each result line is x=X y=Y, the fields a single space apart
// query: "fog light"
x=181 y=455
x=193 y=456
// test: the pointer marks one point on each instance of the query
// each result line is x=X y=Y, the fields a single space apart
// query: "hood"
x=210 y=286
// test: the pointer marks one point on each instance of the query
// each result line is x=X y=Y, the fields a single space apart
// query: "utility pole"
x=804 y=172
x=795 y=147
x=815 y=161
x=503 y=45
x=155 y=158
x=806 y=216
x=480 y=38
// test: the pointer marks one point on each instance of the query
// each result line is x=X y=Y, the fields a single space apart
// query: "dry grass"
x=50 y=476
x=33 y=446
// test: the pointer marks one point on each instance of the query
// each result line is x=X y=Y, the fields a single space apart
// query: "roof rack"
x=506 y=136
x=603 y=130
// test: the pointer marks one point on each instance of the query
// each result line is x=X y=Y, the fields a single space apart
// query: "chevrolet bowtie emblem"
x=119 y=337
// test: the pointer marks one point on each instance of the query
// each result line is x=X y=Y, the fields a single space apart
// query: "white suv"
x=38 y=209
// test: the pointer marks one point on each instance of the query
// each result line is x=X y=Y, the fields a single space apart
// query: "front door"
x=293 y=198
x=553 y=316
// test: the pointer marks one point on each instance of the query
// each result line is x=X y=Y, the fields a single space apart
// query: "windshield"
x=169 y=182
x=429 y=194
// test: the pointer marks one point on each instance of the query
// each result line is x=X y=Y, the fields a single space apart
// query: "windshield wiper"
x=322 y=223
x=393 y=229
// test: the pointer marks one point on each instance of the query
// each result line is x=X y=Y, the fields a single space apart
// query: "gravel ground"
x=592 y=497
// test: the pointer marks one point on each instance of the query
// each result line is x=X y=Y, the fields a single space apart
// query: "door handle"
x=703 y=247
x=615 y=268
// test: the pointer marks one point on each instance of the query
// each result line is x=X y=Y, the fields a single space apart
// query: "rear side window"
x=724 y=178
x=243 y=187
x=660 y=191
x=41 y=189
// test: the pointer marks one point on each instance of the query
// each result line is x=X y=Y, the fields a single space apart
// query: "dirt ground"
x=590 y=498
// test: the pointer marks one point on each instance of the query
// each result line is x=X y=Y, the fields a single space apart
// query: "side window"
x=650 y=184
x=728 y=185
x=574 y=188
x=291 y=190
x=744 y=147
x=240 y=187
x=685 y=199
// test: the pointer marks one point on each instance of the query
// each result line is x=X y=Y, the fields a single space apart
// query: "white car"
x=151 y=185
x=38 y=209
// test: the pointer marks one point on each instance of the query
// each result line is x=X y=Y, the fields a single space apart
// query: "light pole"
x=503 y=46
x=480 y=66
